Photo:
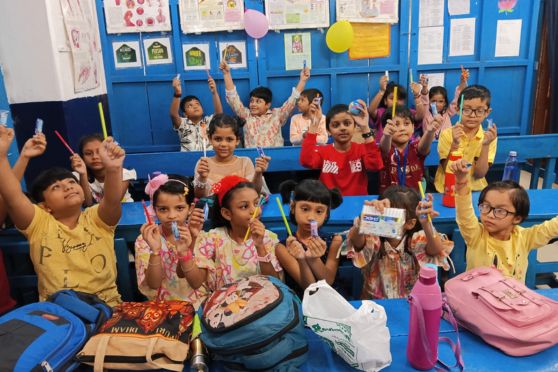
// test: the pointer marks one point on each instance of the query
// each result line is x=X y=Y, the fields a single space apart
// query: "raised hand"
x=361 y=119
x=262 y=163
x=6 y=138
x=305 y=74
x=457 y=133
x=416 y=88
x=212 y=85
x=78 y=165
x=490 y=135
x=379 y=205
x=224 y=67
x=185 y=240
x=152 y=236
x=383 y=83
x=203 y=168
x=195 y=221
x=423 y=80
x=389 y=129
x=435 y=124
x=34 y=146
x=316 y=247
x=425 y=208
x=111 y=154
x=257 y=231
x=461 y=170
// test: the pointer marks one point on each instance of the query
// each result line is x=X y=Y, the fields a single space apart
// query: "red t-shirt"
x=414 y=167
x=344 y=170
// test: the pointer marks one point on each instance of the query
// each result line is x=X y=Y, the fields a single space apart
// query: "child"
x=192 y=128
x=301 y=122
x=477 y=146
x=158 y=253
x=402 y=155
x=439 y=96
x=223 y=255
x=224 y=135
x=344 y=164
x=390 y=267
x=70 y=249
x=90 y=171
x=498 y=240
x=307 y=258
x=263 y=125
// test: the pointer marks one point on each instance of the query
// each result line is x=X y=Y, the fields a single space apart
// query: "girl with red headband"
x=227 y=252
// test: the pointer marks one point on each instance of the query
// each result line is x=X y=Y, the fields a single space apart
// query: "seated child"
x=403 y=155
x=158 y=252
x=344 y=163
x=224 y=135
x=69 y=248
x=90 y=171
x=227 y=252
x=305 y=257
x=390 y=267
x=498 y=240
x=301 y=122
x=191 y=128
x=468 y=137
x=263 y=124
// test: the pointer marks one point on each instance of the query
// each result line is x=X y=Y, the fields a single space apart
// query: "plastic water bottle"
x=511 y=169
x=422 y=345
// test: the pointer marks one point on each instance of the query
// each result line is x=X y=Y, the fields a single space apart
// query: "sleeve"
x=92 y=215
x=310 y=155
x=492 y=151
x=270 y=242
x=322 y=135
x=287 y=108
x=129 y=174
x=142 y=261
x=372 y=157
x=467 y=220
x=295 y=131
x=540 y=234
x=363 y=257
x=418 y=247
x=444 y=144
x=236 y=104
x=453 y=107
x=204 y=251
x=38 y=224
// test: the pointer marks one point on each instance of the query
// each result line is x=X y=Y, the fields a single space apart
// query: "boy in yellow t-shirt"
x=70 y=249
x=478 y=147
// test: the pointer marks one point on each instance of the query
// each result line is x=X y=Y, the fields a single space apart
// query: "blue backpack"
x=46 y=336
x=255 y=324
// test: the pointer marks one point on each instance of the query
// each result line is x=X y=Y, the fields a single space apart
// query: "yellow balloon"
x=340 y=36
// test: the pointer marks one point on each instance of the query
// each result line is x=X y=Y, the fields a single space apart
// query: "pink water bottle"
x=426 y=303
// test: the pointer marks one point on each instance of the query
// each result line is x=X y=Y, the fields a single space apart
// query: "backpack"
x=47 y=335
x=503 y=312
x=142 y=335
x=255 y=323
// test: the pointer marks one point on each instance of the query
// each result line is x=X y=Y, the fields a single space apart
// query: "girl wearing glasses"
x=498 y=240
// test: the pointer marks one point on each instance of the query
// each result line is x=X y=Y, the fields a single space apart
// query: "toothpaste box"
x=388 y=224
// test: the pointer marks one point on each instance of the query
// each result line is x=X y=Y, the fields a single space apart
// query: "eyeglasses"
x=499 y=213
x=478 y=112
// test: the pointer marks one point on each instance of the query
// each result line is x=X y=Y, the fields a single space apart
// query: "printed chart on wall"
x=234 y=53
x=369 y=11
x=84 y=44
x=123 y=16
x=290 y=14
x=298 y=51
x=198 y=16
x=196 y=56
x=126 y=54
x=157 y=51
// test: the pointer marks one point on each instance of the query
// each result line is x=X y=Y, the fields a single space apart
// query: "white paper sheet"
x=462 y=37
x=431 y=13
x=459 y=7
x=508 y=37
x=431 y=45
x=435 y=79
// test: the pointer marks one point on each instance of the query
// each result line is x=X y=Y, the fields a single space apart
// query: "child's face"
x=502 y=217
x=389 y=100
x=306 y=211
x=440 y=102
x=193 y=109
x=224 y=142
x=404 y=130
x=474 y=112
x=91 y=156
x=242 y=205
x=171 y=207
x=342 y=127
x=303 y=104
x=63 y=195
x=258 y=106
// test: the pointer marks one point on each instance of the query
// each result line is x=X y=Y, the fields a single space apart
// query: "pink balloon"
x=255 y=23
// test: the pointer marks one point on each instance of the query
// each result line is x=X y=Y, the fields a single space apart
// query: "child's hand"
x=315 y=111
x=463 y=78
x=203 y=168
x=295 y=249
x=6 y=138
x=305 y=74
x=423 y=80
x=262 y=163
x=212 y=85
x=78 y=165
x=383 y=83
x=316 y=247
x=195 y=221
x=416 y=88
x=34 y=146
x=177 y=85
x=435 y=124
x=224 y=67
x=461 y=170
x=257 y=231
x=152 y=236
x=490 y=135
x=389 y=129
x=424 y=208
x=379 y=205
x=361 y=119
x=111 y=154
x=183 y=244
x=457 y=132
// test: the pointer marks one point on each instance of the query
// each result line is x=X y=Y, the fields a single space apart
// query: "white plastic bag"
x=360 y=337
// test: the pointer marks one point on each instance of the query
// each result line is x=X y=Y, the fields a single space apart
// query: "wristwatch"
x=368 y=135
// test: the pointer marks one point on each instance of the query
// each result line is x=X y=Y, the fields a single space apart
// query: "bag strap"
x=100 y=353
x=75 y=305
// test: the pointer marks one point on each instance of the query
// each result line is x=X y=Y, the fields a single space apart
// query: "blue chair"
x=459 y=253
x=535 y=268
x=123 y=278
x=20 y=272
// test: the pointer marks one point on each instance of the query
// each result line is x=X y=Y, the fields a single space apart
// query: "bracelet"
x=177 y=95
x=266 y=258
x=190 y=269
x=368 y=134
x=151 y=253
x=187 y=257
x=199 y=184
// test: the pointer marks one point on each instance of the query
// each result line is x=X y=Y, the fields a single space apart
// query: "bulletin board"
x=124 y=16
x=374 y=11
x=211 y=15
x=293 y=14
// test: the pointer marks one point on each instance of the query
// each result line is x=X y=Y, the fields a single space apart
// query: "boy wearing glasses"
x=477 y=146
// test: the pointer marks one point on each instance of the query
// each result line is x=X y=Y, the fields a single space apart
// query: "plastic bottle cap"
x=427 y=275
x=513 y=153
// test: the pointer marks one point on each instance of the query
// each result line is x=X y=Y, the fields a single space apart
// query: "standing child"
x=90 y=171
x=344 y=163
x=69 y=248
x=263 y=124
x=223 y=255
x=159 y=253
x=390 y=267
x=468 y=137
x=192 y=127
x=305 y=256
x=224 y=135
x=498 y=240
x=403 y=155
x=301 y=122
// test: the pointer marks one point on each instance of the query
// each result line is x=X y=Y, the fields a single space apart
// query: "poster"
x=459 y=7
x=431 y=13
x=290 y=14
x=157 y=51
x=368 y=11
x=508 y=37
x=462 y=37
x=211 y=15
x=431 y=45
x=371 y=40
x=298 y=51
x=126 y=54
x=234 y=53
x=83 y=39
x=196 y=56
x=123 y=16
x=435 y=79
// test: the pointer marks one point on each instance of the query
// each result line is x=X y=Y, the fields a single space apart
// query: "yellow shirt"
x=471 y=149
x=82 y=258
x=511 y=255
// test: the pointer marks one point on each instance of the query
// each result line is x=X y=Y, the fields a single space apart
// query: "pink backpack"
x=503 y=312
